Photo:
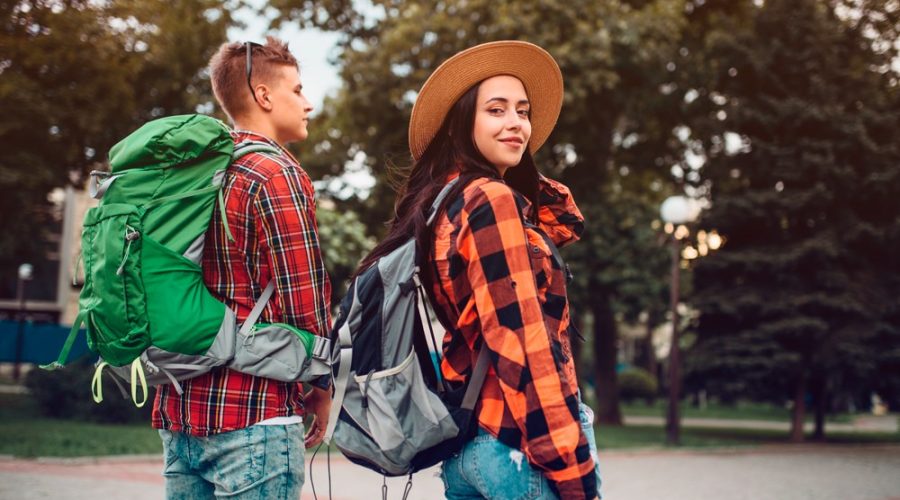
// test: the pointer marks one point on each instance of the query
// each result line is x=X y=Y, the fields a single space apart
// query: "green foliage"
x=344 y=243
x=78 y=76
x=800 y=297
x=636 y=383
x=614 y=135
x=66 y=393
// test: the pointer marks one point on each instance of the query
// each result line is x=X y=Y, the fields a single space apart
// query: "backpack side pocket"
x=113 y=298
x=398 y=417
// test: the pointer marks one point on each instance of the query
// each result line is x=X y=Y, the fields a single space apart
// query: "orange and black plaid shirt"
x=497 y=283
x=271 y=210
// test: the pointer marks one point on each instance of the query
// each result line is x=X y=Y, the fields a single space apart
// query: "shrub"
x=66 y=393
x=637 y=383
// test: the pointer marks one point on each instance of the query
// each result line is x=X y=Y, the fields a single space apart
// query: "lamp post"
x=25 y=274
x=675 y=211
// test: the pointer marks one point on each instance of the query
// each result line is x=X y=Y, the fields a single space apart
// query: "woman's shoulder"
x=486 y=199
x=487 y=190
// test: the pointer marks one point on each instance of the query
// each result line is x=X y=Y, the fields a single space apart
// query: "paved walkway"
x=783 y=472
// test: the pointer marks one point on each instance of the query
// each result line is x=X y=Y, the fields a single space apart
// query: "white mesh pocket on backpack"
x=399 y=416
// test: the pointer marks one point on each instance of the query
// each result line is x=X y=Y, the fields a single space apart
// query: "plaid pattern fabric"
x=270 y=205
x=495 y=280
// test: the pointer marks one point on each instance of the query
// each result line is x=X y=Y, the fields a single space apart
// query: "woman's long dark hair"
x=452 y=148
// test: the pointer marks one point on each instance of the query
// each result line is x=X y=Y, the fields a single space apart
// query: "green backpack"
x=145 y=307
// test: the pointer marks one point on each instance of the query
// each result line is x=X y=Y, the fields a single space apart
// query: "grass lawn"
x=61 y=438
x=23 y=433
x=609 y=438
x=740 y=411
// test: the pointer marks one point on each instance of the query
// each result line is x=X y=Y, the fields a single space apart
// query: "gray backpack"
x=392 y=412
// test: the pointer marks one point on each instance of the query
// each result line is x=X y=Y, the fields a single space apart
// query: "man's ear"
x=262 y=97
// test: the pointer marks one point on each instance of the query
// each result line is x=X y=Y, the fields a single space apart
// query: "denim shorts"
x=487 y=468
x=260 y=461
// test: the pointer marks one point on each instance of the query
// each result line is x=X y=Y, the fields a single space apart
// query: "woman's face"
x=502 y=126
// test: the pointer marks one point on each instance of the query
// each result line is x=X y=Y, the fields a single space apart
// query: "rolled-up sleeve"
x=558 y=215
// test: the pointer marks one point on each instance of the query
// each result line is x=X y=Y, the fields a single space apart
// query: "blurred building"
x=51 y=296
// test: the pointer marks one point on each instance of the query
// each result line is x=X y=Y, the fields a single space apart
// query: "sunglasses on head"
x=248 y=47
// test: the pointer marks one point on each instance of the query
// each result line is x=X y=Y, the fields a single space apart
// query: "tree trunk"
x=605 y=354
x=821 y=401
x=799 y=411
x=581 y=367
x=647 y=354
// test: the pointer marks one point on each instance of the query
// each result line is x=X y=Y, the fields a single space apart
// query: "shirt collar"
x=242 y=135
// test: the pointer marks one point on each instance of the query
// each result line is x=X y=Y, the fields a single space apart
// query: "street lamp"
x=26 y=271
x=675 y=211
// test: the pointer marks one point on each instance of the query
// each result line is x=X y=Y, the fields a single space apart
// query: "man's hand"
x=318 y=405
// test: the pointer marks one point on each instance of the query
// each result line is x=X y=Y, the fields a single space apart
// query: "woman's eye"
x=524 y=113
x=495 y=111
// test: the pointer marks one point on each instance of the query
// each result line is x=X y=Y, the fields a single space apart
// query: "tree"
x=614 y=133
x=78 y=76
x=344 y=244
x=794 y=303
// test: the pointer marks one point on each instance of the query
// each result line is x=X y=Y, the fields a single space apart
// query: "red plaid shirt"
x=496 y=281
x=270 y=205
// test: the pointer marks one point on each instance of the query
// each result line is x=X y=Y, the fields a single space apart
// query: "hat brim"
x=532 y=65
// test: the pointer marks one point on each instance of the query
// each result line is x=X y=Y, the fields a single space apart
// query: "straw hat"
x=529 y=63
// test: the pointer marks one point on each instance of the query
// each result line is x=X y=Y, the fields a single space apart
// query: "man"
x=230 y=433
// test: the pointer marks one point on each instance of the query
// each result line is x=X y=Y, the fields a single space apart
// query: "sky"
x=310 y=46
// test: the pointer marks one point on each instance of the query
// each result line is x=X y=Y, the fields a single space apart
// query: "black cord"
x=311 y=481
x=328 y=462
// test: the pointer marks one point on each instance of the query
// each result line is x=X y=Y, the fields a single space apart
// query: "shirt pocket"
x=541 y=260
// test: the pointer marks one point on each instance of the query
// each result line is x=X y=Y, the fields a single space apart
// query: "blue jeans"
x=487 y=468
x=260 y=461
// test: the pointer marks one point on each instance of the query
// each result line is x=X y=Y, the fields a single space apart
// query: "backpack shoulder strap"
x=244 y=148
x=476 y=380
x=433 y=211
x=344 y=355
x=241 y=150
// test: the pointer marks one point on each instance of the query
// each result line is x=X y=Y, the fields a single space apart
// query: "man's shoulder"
x=259 y=167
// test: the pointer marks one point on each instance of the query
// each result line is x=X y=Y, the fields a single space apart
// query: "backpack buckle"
x=321 y=348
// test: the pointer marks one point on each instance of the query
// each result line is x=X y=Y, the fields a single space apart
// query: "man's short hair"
x=228 y=71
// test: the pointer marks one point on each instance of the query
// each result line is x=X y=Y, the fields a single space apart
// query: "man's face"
x=290 y=108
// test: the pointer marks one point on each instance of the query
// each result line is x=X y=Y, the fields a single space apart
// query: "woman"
x=495 y=277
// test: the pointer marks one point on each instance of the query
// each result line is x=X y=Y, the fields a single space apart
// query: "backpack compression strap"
x=258 y=308
x=67 y=346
